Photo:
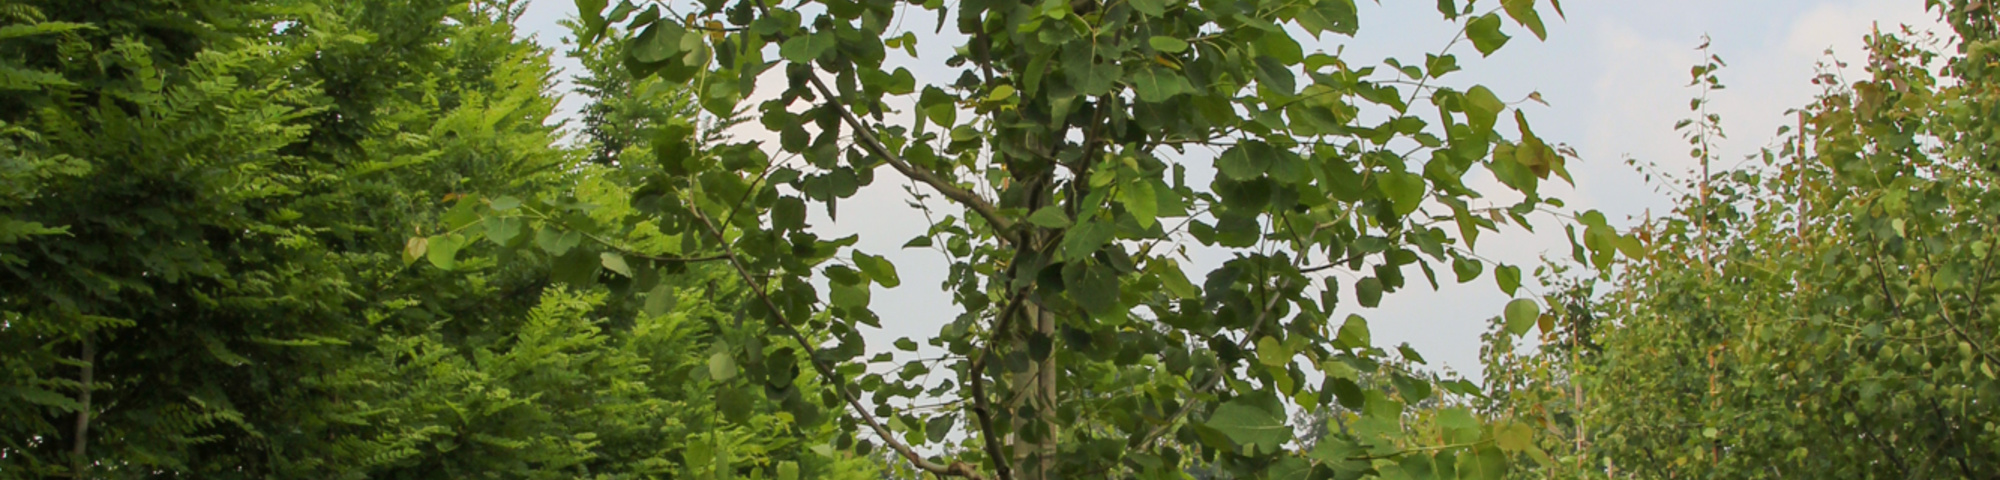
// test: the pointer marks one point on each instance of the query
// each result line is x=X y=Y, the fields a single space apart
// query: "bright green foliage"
x=148 y=197
x=207 y=206
x=563 y=396
x=1065 y=145
x=1819 y=313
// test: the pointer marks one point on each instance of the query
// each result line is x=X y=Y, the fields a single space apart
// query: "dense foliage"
x=203 y=234
x=1819 y=312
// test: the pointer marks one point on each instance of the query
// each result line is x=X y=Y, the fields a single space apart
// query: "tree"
x=205 y=204
x=1084 y=348
x=1819 y=312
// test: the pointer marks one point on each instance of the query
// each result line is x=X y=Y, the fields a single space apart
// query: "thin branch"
x=78 y=458
x=956 y=468
x=1248 y=336
x=1003 y=227
x=982 y=407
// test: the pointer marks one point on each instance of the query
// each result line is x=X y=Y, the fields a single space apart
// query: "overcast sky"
x=1615 y=74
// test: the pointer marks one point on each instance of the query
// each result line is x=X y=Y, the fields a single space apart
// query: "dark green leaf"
x=1337 y=16
x=659 y=42
x=1368 y=291
x=878 y=268
x=1245 y=160
x=806 y=48
x=1154 y=8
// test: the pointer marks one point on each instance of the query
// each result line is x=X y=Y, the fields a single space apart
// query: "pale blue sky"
x=1615 y=75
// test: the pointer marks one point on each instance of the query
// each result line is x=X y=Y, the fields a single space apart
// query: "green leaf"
x=1339 y=454
x=1405 y=191
x=557 y=242
x=503 y=230
x=1485 y=463
x=1153 y=8
x=1354 y=333
x=1485 y=33
x=878 y=269
x=1245 y=161
x=660 y=300
x=1368 y=291
x=1521 y=314
x=1140 y=201
x=1095 y=288
x=736 y=403
x=1272 y=353
x=1523 y=12
x=849 y=296
x=415 y=249
x=1158 y=84
x=906 y=344
x=443 y=251
x=1337 y=16
x=938 y=427
x=1467 y=269
x=505 y=202
x=806 y=48
x=1085 y=238
x=659 y=42
x=788 y=470
x=1515 y=437
x=1251 y=425
x=578 y=268
x=1482 y=108
x=1410 y=353
x=44 y=398
x=1049 y=217
x=1458 y=420
x=1508 y=277
x=1275 y=75
x=1167 y=44
x=1000 y=93
x=721 y=367
x=614 y=262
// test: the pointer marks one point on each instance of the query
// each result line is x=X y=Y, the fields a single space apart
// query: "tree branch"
x=957 y=469
x=982 y=407
x=1248 y=336
x=78 y=459
x=1003 y=227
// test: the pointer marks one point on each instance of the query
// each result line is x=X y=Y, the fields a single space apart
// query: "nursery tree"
x=1062 y=151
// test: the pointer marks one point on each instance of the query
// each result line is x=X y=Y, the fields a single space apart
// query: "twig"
x=1248 y=336
x=1002 y=226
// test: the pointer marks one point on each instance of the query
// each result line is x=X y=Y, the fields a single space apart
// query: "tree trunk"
x=1036 y=388
x=78 y=459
